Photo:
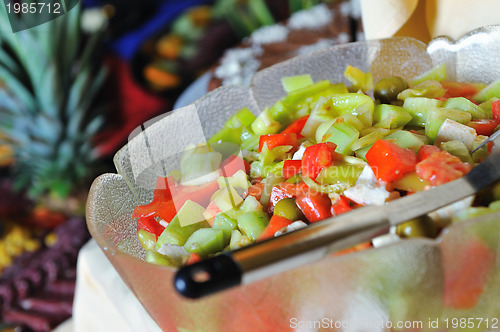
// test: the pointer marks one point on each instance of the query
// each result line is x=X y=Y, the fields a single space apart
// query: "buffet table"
x=102 y=300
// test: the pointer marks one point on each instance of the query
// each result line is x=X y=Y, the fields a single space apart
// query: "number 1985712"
x=34 y=8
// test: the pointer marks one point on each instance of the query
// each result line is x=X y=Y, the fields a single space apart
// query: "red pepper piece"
x=315 y=207
x=341 y=206
x=275 y=224
x=199 y=194
x=495 y=110
x=483 y=126
x=291 y=167
x=167 y=210
x=389 y=161
x=459 y=89
x=233 y=164
x=316 y=157
x=441 y=167
x=165 y=188
x=274 y=140
x=150 y=225
x=426 y=151
x=296 y=127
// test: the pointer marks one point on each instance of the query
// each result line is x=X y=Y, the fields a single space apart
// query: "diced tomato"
x=483 y=126
x=274 y=140
x=275 y=224
x=389 y=161
x=193 y=258
x=291 y=167
x=314 y=206
x=316 y=157
x=459 y=89
x=426 y=151
x=441 y=167
x=466 y=271
x=495 y=110
x=233 y=164
x=341 y=206
x=296 y=127
x=150 y=225
x=256 y=190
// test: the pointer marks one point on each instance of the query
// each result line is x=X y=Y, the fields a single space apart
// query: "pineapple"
x=47 y=108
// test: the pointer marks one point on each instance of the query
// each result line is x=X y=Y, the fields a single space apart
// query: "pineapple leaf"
x=93 y=89
x=48 y=101
x=17 y=88
x=47 y=107
x=8 y=62
x=77 y=90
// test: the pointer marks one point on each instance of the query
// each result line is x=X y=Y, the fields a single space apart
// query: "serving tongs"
x=309 y=244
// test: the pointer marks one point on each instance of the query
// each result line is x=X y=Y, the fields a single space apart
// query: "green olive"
x=288 y=209
x=294 y=179
x=387 y=89
x=419 y=227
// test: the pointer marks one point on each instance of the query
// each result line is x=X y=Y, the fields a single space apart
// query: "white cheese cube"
x=451 y=130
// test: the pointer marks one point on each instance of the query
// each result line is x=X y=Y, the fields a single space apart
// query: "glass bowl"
x=448 y=283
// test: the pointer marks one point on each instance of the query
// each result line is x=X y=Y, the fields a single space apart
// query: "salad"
x=323 y=150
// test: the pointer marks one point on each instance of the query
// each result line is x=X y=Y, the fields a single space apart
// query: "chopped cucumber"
x=390 y=116
x=238 y=240
x=464 y=104
x=293 y=83
x=488 y=92
x=411 y=182
x=438 y=115
x=366 y=140
x=323 y=128
x=458 y=149
x=264 y=124
x=437 y=73
x=242 y=118
x=253 y=223
x=205 y=241
x=174 y=233
x=343 y=135
x=321 y=113
x=227 y=224
x=357 y=104
x=159 y=259
x=339 y=174
x=297 y=96
x=147 y=239
x=407 y=140
x=418 y=107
